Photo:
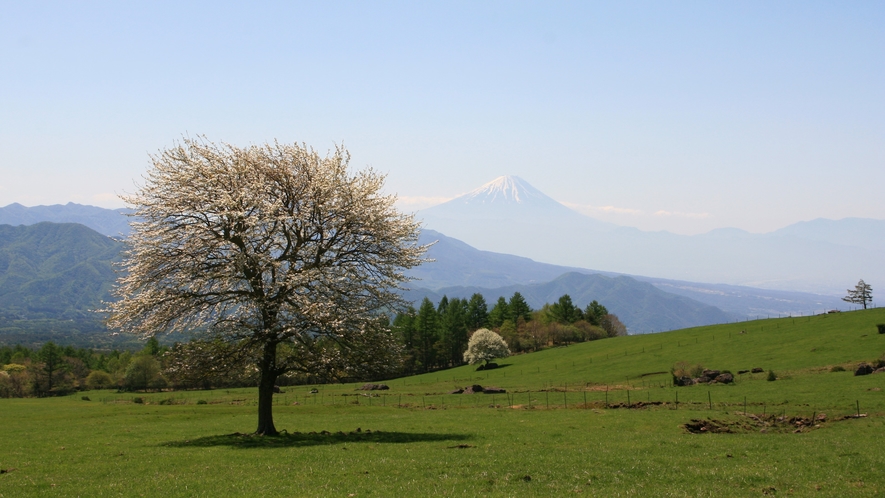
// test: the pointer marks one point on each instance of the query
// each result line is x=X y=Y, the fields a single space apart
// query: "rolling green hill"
x=781 y=344
x=562 y=428
x=595 y=419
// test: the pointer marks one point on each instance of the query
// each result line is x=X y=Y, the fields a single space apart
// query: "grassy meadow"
x=564 y=427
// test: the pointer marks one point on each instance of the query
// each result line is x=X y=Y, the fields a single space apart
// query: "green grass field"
x=562 y=428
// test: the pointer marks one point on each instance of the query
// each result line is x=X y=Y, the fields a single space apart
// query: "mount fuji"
x=507 y=215
x=509 y=199
x=503 y=196
x=510 y=216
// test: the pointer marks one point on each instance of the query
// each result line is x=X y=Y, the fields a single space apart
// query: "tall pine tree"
x=519 y=308
x=594 y=313
x=477 y=312
x=499 y=313
x=564 y=311
x=427 y=329
x=404 y=328
x=454 y=326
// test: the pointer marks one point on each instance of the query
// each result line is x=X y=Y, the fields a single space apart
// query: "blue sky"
x=680 y=116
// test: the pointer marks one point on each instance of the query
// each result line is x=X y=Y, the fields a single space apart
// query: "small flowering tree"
x=485 y=345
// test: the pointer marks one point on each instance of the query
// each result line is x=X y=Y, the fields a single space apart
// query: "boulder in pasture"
x=863 y=369
x=725 y=378
x=374 y=387
x=683 y=381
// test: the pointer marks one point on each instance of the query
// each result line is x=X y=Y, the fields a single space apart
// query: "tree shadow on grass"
x=500 y=366
x=298 y=439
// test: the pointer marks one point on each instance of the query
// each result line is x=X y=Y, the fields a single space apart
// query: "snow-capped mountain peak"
x=508 y=189
x=504 y=198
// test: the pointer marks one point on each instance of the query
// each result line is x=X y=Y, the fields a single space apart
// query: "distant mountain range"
x=52 y=275
x=110 y=222
x=460 y=268
x=508 y=215
x=641 y=306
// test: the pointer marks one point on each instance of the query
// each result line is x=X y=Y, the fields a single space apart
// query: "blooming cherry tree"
x=284 y=258
x=485 y=345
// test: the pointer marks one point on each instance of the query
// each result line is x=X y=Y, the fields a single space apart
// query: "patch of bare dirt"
x=636 y=405
x=698 y=426
x=750 y=422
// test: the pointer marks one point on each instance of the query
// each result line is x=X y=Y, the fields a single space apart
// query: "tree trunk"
x=265 y=391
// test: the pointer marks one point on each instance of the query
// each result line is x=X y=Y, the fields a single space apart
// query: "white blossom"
x=272 y=249
x=485 y=345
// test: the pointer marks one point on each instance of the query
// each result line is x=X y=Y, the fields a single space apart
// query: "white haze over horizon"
x=681 y=117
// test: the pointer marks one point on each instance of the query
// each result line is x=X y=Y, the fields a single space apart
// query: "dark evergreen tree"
x=499 y=313
x=443 y=304
x=454 y=327
x=52 y=358
x=564 y=311
x=404 y=329
x=477 y=312
x=427 y=330
x=519 y=308
x=5 y=355
x=594 y=313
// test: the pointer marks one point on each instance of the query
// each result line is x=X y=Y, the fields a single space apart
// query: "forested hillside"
x=51 y=276
x=640 y=305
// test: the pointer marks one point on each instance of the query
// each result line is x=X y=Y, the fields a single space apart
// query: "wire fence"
x=554 y=398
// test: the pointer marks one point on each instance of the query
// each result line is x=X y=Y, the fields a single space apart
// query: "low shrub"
x=98 y=379
x=771 y=376
x=837 y=368
x=881 y=327
x=202 y=402
x=138 y=401
x=85 y=398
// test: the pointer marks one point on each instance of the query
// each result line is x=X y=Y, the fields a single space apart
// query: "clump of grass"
x=138 y=401
x=881 y=327
x=85 y=398
x=202 y=402
x=837 y=368
x=771 y=376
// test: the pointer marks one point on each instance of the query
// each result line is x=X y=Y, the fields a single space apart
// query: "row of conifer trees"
x=436 y=337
